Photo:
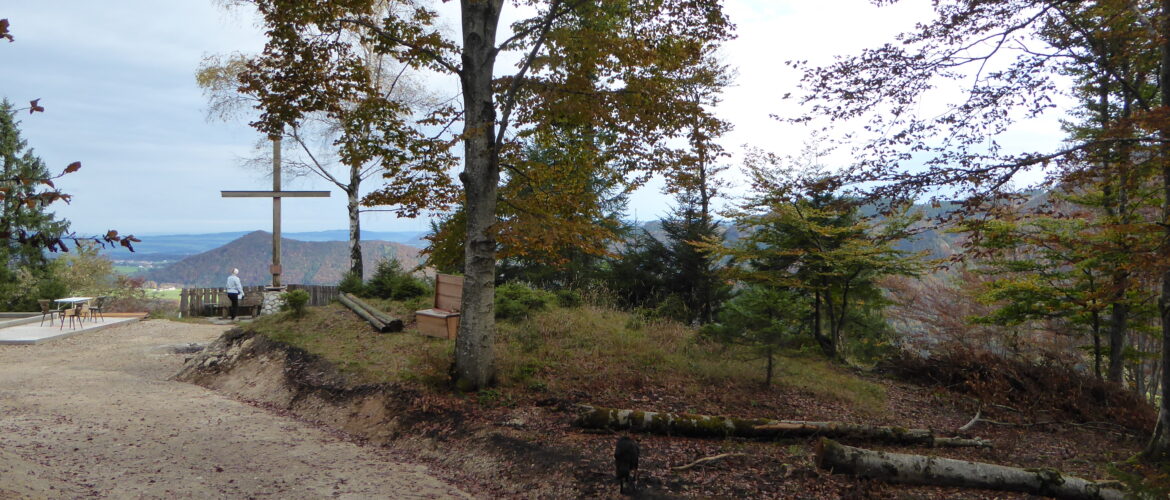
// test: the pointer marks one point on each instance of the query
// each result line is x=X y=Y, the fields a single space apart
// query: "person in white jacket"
x=235 y=291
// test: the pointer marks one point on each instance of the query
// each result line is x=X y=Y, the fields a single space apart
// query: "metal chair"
x=47 y=310
x=79 y=311
x=95 y=309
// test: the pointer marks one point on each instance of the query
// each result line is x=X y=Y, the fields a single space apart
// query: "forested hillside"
x=310 y=263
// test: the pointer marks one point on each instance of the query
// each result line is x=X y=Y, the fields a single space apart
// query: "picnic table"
x=77 y=305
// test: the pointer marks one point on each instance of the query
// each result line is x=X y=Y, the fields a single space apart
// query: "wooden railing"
x=205 y=301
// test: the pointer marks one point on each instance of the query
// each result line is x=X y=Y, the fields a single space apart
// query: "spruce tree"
x=24 y=215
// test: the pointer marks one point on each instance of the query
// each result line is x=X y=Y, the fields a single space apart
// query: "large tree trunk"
x=935 y=471
x=356 y=266
x=474 y=354
x=684 y=424
x=1159 y=447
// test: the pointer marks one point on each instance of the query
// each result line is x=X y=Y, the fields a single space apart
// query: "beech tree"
x=1010 y=57
x=1057 y=262
x=616 y=67
x=350 y=141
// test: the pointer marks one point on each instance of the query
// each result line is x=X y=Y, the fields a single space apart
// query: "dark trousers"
x=235 y=298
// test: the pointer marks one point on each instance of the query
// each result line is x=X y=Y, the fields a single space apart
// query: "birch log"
x=684 y=424
x=934 y=471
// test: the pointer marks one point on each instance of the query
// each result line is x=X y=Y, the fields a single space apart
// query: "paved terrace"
x=28 y=330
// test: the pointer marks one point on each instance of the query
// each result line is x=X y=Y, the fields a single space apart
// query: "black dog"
x=625 y=458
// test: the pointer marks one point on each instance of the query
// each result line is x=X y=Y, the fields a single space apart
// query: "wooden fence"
x=205 y=301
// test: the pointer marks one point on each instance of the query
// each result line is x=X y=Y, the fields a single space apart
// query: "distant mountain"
x=172 y=245
x=303 y=262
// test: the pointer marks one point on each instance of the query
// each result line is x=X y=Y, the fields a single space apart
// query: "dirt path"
x=95 y=415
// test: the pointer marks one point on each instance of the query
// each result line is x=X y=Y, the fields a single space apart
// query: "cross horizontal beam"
x=275 y=194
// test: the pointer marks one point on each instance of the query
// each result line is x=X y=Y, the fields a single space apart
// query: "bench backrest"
x=448 y=292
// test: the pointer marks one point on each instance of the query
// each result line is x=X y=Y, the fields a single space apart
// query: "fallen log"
x=360 y=311
x=684 y=424
x=935 y=471
x=394 y=324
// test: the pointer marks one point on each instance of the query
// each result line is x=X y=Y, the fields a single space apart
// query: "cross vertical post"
x=276 y=211
x=276 y=194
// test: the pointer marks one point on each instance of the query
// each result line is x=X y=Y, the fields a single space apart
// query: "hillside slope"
x=308 y=263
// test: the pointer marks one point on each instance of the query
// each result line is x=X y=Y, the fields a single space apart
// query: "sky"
x=117 y=81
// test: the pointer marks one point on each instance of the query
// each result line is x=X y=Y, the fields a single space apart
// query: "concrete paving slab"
x=35 y=333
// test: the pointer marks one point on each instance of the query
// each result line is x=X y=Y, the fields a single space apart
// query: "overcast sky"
x=116 y=78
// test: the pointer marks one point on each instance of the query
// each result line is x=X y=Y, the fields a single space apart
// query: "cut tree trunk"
x=934 y=471
x=378 y=324
x=683 y=424
x=393 y=324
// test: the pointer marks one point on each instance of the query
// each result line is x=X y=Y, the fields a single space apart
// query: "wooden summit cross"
x=276 y=194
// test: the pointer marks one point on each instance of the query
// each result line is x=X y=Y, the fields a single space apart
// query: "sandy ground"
x=96 y=416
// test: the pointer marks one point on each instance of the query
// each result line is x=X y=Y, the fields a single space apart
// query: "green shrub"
x=569 y=298
x=295 y=301
x=391 y=282
x=516 y=301
x=352 y=284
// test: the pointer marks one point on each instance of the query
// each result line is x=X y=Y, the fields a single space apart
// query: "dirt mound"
x=252 y=367
x=1049 y=387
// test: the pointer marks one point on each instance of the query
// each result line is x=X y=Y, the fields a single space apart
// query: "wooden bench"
x=442 y=319
x=250 y=304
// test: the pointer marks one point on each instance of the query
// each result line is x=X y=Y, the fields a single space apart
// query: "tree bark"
x=391 y=324
x=683 y=424
x=919 y=469
x=356 y=266
x=474 y=344
x=360 y=311
x=1159 y=446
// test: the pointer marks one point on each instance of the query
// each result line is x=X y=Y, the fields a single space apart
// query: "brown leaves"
x=113 y=238
x=34 y=106
x=4 y=30
x=73 y=167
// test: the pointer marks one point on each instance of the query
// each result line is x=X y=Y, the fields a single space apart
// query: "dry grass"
x=613 y=354
x=607 y=354
x=358 y=351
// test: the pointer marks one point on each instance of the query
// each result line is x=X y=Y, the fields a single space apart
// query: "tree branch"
x=437 y=57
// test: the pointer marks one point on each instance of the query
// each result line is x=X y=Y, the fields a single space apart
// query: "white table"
x=74 y=301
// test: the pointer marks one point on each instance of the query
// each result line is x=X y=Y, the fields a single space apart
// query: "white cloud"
x=117 y=79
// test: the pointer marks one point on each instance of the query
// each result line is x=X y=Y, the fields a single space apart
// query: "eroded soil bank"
x=529 y=449
x=100 y=415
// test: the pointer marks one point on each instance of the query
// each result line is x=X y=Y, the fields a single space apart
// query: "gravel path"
x=96 y=416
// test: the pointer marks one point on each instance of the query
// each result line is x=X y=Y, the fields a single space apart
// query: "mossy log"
x=934 y=471
x=365 y=314
x=684 y=424
x=391 y=323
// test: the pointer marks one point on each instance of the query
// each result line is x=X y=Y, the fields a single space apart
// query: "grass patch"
x=165 y=294
x=359 y=352
x=613 y=354
x=609 y=355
